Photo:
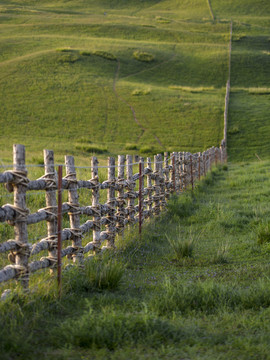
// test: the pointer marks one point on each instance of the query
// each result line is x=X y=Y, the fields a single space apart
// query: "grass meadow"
x=152 y=299
x=114 y=77
x=58 y=83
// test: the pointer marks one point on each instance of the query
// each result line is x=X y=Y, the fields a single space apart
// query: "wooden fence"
x=165 y=176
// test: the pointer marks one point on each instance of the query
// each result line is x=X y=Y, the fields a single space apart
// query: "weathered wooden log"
x=8 y=246
x=130 y=190
x=20 y=226
x=120 y=224
x=149 y=189
x=74 y=214
x=166 y=173
x=141 y=191
x=156 y=196
x=13 y=271
x=162 y=183
x=96 y=207
x=110 y=225
x=51 y=203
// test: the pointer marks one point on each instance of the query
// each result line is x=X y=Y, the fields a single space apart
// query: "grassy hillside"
x=249 y=127
x=212 y=303
x=69 y=75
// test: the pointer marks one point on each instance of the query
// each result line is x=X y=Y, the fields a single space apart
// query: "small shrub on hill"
x=85 y=53
x=68 y=59
x=233 y=130
x=131 y=147
x=105 y=55
x=143 y=56
x=138 y=92
x=92 y=149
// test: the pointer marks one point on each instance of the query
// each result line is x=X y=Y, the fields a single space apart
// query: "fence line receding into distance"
x=164 y=176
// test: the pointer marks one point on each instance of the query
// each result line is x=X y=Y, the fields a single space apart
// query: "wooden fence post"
x=20 y=225
x=96 y=206
x=110 y=225
x=74 y=212
x=191 y=172
x=120 y=215
x=51 y=203
x=156 y=196
x=173 y=173
x=141 y=188
x=59 y=231
x=162 y=182
x=167 y=176
x=149 y=200
x=130 y=193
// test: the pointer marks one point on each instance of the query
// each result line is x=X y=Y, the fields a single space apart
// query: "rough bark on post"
x=51 y=203
x=141 y=191
x=149 y=200
x=120 y=215
x=167 y=176
x=162 y=183
x=181 y=170
x=177 y=172
x=111 y=202
x=156 y=196
x=20 y=226
x=74 y=214
x=130 y=193
x=191 y=171
x=96 y=206
x=172 y=179
x=186 y=170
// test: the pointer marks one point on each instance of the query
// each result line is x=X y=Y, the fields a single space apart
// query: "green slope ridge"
x=62 y=95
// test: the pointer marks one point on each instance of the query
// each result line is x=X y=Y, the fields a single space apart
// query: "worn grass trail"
x=211 y=304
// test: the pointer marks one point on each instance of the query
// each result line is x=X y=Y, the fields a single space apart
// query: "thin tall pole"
x=59 y=231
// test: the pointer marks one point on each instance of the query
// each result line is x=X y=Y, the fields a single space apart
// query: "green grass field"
x=211 y=304
x=56 y=89
x=143 y=76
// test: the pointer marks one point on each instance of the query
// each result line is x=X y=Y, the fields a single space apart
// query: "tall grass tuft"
x=221 y=256
x=263 y=233
x=182 y=248
x=98 y=273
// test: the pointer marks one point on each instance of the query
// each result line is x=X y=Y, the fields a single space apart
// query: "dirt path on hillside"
x=129 y=105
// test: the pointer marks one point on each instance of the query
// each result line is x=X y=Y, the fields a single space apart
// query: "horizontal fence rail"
x=131 y=198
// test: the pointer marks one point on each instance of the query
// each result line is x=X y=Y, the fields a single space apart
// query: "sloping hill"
x=69 y=73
